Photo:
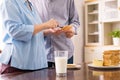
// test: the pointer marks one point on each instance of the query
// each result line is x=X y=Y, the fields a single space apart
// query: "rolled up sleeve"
x=74 y=18
x=13 y=23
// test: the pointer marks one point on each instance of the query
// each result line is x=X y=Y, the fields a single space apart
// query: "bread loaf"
x=65 y=28
x=111 y=57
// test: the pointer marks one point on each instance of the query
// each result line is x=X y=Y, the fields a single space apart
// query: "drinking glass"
x=61 y=62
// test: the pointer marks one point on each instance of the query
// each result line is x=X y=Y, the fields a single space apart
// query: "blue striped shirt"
x=25 y=50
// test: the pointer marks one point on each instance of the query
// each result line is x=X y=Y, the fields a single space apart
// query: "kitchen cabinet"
x=92 y=53
x=101 y=18
x=93 y=28
x=92 y=23
x=110 y=10
x=108 y=27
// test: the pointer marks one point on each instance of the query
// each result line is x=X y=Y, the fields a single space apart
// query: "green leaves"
x=115 y=34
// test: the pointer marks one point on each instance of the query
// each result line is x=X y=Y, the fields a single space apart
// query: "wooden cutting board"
x=73 y=66
x=90 y=0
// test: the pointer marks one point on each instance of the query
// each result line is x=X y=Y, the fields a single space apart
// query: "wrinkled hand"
x=51 y=24
x=69 y=33
x=55 y=31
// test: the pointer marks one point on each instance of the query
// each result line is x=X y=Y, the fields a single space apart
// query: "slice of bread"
x=66 y=28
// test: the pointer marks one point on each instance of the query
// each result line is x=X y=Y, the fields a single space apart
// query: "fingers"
x=69 y=35
x=53 y=23
x=67 y=28
x=58 y=32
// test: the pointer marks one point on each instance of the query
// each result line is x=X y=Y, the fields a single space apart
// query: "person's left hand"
x=54 y=31
x=69 y=33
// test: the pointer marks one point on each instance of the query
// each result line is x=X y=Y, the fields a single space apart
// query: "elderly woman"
x=23 y=37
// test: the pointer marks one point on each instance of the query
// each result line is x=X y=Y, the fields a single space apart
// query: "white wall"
x=78 y=40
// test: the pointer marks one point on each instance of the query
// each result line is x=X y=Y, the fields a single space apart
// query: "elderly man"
x=65 y=13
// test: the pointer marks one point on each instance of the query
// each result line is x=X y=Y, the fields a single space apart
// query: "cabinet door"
x=111 y=10
x=92 y=53
x=92 y=24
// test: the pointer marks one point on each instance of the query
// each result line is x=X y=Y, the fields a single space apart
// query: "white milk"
x=61 y=64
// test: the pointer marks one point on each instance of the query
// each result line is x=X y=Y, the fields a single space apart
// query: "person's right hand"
x=51 y=24
x=52 y=31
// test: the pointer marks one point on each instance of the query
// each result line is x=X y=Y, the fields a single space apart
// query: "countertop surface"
x=85 y=73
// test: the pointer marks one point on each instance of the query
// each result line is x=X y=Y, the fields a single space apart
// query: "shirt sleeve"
x=13 y=24
x=73 y=18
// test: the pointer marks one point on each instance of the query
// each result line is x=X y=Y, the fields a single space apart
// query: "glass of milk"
x=61 y=62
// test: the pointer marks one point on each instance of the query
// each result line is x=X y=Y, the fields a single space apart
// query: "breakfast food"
x=111 y=57
x=65 y=28
x=73 y=66
x=97 y=62
x=70 y=65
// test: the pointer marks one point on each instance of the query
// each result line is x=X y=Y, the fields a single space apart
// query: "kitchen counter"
x=84 y=73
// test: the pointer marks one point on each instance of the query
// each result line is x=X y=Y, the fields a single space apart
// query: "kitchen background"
x=79 y=39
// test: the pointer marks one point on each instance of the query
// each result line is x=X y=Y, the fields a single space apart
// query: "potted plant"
x=116 y=37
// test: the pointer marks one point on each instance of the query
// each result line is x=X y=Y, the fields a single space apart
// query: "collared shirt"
x=65 y=13
x=23 y=49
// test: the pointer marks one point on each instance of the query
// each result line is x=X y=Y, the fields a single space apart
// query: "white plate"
x=103 y=67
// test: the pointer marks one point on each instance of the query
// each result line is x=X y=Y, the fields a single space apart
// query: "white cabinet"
x=92 y=53
x=111 y=10
x=92 y=23
x=101 y=18
x=93 y=28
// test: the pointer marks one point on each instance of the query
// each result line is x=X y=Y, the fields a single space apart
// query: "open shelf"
x=109 y=27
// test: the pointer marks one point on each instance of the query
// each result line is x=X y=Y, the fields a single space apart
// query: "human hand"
x=55 y=31
x=52 y=23
x=69 y=32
